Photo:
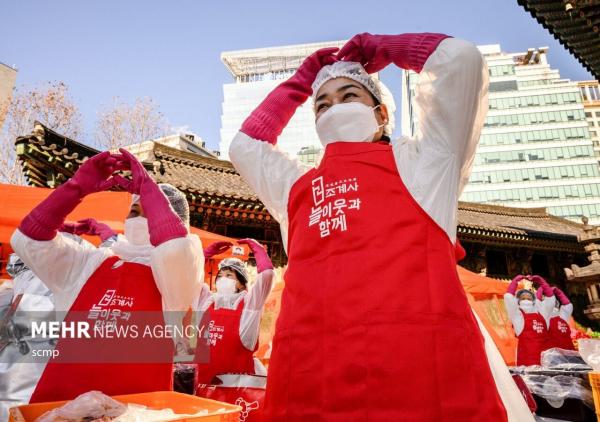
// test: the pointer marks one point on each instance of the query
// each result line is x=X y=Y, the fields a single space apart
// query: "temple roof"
x=517 y=225
x=49 y=159
x=574 y=23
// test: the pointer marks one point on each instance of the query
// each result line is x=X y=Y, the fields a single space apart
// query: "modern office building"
x=590 y=94
x=256 y=72
x=535 y=148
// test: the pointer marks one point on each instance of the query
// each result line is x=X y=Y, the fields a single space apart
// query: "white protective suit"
x=64 y=266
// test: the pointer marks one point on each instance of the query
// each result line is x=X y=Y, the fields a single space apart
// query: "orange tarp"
x=267 y=323
x=108 y=207
x=486 y=296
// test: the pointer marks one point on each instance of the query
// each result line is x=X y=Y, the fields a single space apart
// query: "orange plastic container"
x=595 y=383
x=180 y=403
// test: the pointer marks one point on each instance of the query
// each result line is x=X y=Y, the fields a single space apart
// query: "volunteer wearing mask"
x=33 y=301
x=559 y=331
x=529 y=318
x=155 y=267
x=375 y=208
x=231 y=316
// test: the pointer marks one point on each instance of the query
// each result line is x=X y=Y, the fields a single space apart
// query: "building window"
x=594 y=94
x=584 y=93
x=503 y=86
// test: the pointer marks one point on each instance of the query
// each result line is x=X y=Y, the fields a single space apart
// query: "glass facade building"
x=536 y=146
x=256 y=72
x=590 y=93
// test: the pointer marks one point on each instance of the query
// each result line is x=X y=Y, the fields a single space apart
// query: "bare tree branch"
x=122 y=124
x=50 y=104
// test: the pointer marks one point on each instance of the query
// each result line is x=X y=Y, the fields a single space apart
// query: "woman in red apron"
x=374 y=323
x=559 y=331
x=155 y=267
x=231 y=316
x=529 y=318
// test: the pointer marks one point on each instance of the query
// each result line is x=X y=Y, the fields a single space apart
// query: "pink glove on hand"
x=216 y=249
x=539 y=293
x=512 y=287
x=94 y=175
x=548 y=292
x=407 y=51
x=90 y=227
x=267 y=121
x=163 y=223
x=561 y=296
x=263 y=262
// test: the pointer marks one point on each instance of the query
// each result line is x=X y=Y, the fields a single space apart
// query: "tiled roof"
x=48 y=158
x=574 y=23
x=201 y=175
x=518 y=226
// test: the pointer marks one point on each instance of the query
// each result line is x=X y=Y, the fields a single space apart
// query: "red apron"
x=559 y=334
x=223 y=351
x=374 y=322
x=111 y=362
x=532 y=340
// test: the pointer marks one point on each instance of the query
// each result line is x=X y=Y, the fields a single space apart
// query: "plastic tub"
x=180 y=403
x=595 y=383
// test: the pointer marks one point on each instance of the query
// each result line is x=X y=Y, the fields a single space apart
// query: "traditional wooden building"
x=574 y=23
x=500 y=241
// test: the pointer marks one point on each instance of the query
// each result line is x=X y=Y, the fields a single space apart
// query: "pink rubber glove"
x=407 y=51
x=90 y=227
x=263 y=262
x=561 y=296
x=512 y=287
x=94 y=175
x=163 y=223
x=548 y=292
x=269 y=119
x=216 y=249
x=539 y=293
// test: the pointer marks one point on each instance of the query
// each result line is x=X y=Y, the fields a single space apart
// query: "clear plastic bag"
x=88 y=406
x=556 y=389
x=556 y=358
x=590 y=351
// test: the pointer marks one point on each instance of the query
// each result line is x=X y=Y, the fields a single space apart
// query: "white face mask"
x=226 y=286
x=136 y=231
x=525 y=303
x=347 y=122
